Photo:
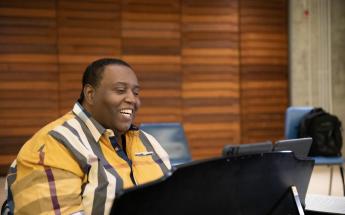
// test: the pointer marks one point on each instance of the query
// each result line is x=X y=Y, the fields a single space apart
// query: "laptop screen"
x=244 y=149
x=300 y=147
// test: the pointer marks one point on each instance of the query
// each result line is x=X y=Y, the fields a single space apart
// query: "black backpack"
x=325 y=129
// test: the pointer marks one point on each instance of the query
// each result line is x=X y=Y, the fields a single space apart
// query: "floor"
x=319 y=182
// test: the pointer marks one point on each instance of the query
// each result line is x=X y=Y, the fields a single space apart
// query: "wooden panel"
x=151 y=44
x=86 y=31
x=219 y=67
x=28 y=73
x=264 y=72
x=210 y=66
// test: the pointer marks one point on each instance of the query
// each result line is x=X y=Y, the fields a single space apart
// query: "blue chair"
x=172 y=138
x=293 y=118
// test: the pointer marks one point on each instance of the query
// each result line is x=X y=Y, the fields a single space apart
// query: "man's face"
x=116 y=99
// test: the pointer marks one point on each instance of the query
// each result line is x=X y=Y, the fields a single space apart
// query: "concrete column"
x=310 y=53
x=299 y=57
x=317 y=55
x=338 y=60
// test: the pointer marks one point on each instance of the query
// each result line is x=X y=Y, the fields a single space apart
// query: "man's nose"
x=130 y=97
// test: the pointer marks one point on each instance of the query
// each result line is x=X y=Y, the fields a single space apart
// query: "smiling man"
x=78 y=163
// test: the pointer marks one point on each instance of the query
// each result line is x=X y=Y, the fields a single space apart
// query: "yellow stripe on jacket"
x=64 y=168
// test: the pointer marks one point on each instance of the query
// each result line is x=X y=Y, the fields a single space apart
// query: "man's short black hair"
x=94 y=71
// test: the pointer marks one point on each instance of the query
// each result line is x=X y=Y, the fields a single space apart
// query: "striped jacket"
x=70 y=166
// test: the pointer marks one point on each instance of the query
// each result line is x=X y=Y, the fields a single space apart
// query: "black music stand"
x=249 y=184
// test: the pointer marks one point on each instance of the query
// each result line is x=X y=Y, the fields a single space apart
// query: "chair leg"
x=330 y=181
x=342 y=177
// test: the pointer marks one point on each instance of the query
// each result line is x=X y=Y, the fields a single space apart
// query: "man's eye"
x=136 y=93
x=120 y=90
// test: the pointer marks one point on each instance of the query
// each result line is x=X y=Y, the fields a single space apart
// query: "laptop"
x=245 y=149
x=300 y=147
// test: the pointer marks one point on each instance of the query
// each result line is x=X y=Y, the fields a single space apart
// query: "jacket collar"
x=95 y=127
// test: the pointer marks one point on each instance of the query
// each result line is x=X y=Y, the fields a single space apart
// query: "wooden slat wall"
x=151 y=44
x=210 y=67
x=263 y=58
x=87 y=30
x=219 y=67
x=28 y=65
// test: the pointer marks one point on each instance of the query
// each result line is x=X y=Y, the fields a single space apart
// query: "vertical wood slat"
x=263 y=58
x=28 y=73
x=219 y=67
x=210 y=69
x=86 y=31
x=151 y=44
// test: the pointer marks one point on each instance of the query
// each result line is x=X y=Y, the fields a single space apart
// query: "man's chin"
x=123 y=129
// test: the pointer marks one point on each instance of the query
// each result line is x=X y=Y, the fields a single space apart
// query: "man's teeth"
x=126 y=111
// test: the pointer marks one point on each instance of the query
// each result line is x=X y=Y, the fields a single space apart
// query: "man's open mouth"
x=128 y=113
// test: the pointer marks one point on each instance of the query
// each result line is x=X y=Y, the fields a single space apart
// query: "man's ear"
x=89 y=94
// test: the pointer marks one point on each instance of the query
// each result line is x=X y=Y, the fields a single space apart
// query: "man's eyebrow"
x=126 y=84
